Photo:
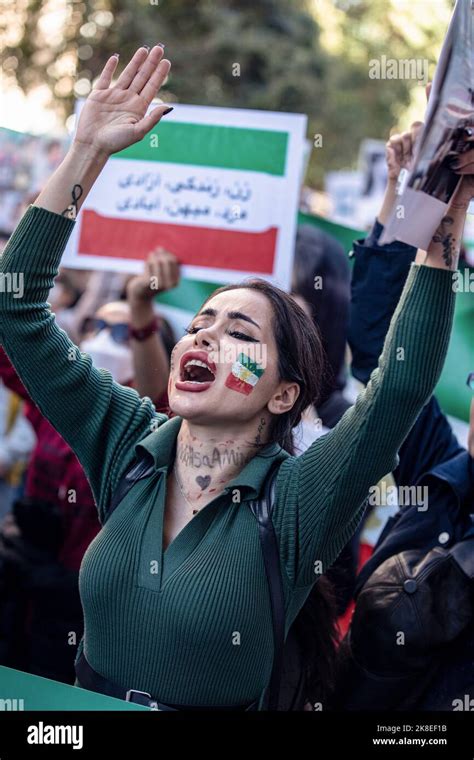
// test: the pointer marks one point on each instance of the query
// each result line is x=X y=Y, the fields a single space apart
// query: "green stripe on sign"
x=258 y=150
x=189 y=295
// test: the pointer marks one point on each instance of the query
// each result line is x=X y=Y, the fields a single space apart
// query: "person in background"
x=178 y=566
x=17 y=440
x=77 y=295
x=321 y=285
x=65 y=297
x=42 y=543
x=47 y=157
x=373 y=672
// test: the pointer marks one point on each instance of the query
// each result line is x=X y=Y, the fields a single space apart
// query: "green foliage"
x=264 y=54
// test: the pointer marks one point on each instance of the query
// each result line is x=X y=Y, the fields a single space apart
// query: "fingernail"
x=161 y=45
x=147 y=47
x=468 y=131
x=168 y=110
x=117 y=55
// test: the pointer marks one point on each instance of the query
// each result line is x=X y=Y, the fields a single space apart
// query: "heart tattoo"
x=203 y=482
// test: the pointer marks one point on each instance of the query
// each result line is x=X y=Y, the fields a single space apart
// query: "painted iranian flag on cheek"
x=244 y=375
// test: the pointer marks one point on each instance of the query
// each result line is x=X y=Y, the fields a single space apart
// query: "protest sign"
x=344 y=189
x=217 y=187
x=429 y=184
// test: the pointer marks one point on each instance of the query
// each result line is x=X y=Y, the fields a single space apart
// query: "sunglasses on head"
x=120 y=332
x=470 y=381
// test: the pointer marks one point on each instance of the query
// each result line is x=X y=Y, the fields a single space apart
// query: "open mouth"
x=195 y=368
x=195 y=371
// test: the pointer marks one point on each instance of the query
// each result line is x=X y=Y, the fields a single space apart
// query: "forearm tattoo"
x=447 y=240
x=71 y=211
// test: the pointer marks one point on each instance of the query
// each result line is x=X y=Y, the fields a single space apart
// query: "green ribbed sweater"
x=192 y=625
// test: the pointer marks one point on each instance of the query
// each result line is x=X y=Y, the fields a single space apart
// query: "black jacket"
x=431 y=455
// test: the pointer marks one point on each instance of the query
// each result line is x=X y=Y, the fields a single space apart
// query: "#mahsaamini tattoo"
x=446 y=239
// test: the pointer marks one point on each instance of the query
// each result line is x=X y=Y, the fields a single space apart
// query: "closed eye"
x=243 y=336
x=193 y=329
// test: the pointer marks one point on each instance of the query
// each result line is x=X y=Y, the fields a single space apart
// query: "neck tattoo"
x=193 y=508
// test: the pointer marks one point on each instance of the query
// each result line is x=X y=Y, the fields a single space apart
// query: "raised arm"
x=100 y=419
x=150 y=359
x=379 y=275
x=320 y=495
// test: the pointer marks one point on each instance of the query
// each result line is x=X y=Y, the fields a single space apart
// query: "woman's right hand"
x=114 y=117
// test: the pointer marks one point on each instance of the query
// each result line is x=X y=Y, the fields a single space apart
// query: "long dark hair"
x=302 y=359
x=316 y=630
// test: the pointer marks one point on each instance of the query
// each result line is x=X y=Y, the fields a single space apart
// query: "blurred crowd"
x=336 y=652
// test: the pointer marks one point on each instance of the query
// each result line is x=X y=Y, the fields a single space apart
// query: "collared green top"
x=192 y=625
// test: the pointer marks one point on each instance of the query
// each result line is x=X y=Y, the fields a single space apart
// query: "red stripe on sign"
x=199 y=246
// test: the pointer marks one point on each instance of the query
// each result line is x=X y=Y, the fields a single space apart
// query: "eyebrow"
x=231 y=314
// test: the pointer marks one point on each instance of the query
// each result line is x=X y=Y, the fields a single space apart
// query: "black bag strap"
x=140 y=468
x=262 y=509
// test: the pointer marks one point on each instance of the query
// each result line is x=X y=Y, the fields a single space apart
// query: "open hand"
x=114 y=117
